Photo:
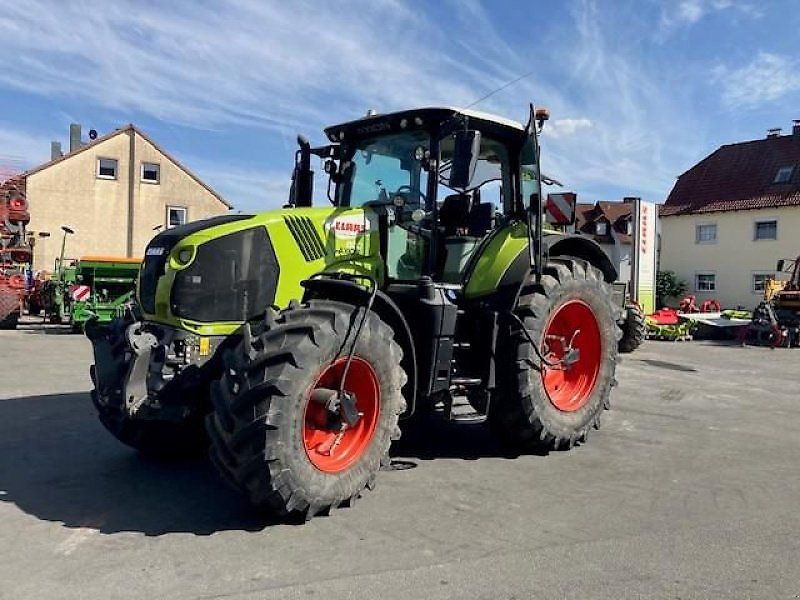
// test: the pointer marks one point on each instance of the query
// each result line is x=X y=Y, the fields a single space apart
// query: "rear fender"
x=556 y=245
x=580 y=247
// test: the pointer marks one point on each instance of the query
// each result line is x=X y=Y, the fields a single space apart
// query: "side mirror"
x=780 y=265
x=560 y=208
x=466 y=149
x=302 y=190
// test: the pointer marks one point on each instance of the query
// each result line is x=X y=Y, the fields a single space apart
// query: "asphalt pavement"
x=691 y=489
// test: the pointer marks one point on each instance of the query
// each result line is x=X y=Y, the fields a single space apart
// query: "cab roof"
x=426 y=118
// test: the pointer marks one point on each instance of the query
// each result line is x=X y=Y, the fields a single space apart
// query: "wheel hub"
x=572 y=345
x=338 y=428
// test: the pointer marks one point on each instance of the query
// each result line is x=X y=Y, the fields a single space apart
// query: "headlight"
x=184 y=256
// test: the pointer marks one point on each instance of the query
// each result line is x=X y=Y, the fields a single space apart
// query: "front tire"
x=541 y=405
x=277 y=445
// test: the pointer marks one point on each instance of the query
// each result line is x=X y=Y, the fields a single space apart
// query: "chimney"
x=774 y=132
x=629 y=199
x=74 y=136
x=55 y=150
x=796 y=127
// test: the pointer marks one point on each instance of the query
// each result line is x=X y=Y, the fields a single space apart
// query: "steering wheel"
x=408 y=191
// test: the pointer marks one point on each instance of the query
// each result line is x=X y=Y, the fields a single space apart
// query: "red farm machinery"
x=15 y=251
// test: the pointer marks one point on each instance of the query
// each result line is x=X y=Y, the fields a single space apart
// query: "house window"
x=705 y=282
x=601 y=228
x=784 y=174
x=151 y=172
x=766 y=230
x=107 y=168
x=760 y=281
x=176 y=215
x=706 y=233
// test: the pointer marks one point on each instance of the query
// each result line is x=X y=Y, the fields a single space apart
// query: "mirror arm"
x=536 y=245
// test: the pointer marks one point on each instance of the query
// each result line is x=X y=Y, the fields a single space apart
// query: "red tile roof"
x=616 y=213
x=739 y=177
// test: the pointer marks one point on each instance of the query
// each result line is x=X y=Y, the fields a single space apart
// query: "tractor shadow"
x=59 y=464
x=29 y=326
x=432 y=437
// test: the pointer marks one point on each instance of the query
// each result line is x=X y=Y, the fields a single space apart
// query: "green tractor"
x=55 y=296
x=302 y=336
x=57 y=300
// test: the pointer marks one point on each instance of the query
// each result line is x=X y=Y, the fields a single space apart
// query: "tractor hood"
x=210 y=276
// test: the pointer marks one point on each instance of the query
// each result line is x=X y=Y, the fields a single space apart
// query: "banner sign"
x=644 y=255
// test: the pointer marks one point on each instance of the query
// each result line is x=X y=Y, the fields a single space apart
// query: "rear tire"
x=261 y=431
x=540 y=406
x=633 y=329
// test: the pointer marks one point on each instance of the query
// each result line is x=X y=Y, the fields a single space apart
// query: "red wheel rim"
x=318 y=436
x=569 y=388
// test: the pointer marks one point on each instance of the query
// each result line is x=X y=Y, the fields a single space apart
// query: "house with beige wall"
x=114 y=192
x=731 y=217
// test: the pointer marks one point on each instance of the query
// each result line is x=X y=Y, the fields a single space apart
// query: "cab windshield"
x=379 y=168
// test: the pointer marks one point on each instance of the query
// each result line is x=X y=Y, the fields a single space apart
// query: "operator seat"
x=463 y=224
x=454 y=214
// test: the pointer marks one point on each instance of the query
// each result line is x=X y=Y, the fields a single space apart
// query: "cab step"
x=466 y=381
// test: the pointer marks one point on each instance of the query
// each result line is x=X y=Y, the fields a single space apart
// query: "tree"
x=669 y=286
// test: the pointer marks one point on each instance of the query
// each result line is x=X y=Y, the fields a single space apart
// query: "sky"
x=639 y=91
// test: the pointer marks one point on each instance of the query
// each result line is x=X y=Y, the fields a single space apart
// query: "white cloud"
x=247 y=189
x=688 y=12
x=297 y=66
x=619 y=145
x=21 y=150
x=559 y=128
x=766 y=78
x=270 y=64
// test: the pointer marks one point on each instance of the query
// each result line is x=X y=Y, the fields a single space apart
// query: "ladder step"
x=465 y=381
x=470 y=417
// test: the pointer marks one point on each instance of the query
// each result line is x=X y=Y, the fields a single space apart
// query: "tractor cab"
x=435 y=182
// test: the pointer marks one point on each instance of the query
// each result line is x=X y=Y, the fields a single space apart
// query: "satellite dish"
x=92 y=134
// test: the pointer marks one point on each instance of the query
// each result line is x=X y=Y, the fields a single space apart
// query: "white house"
x=731 y=217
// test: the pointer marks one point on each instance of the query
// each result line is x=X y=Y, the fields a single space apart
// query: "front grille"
x=232 y=278
x=155 y=257
x=307 y=238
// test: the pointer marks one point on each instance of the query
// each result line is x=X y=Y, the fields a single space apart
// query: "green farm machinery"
x=103 y=289
x=92 y=289
x=302 y=337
